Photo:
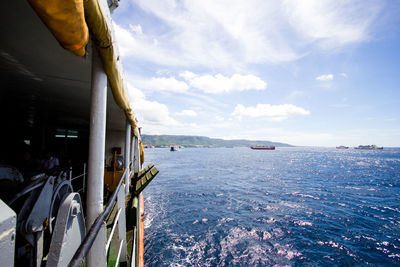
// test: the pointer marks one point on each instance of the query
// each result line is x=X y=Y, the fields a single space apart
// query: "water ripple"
x=288 y=207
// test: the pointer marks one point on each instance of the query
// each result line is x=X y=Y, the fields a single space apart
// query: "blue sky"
x=318 y=73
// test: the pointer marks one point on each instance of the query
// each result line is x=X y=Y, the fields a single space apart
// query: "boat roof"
x=39 y=76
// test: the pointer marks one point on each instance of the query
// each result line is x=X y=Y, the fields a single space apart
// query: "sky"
x=306 y=72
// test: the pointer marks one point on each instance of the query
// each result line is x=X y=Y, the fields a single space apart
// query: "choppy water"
x=291 y=206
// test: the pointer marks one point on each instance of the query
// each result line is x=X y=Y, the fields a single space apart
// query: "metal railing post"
x=137 y=234
x=127 y=154
x=133 y=259
x=96 y=256
x=136 y=161
x=70 y=174
x=132 y=151
x=122 y=221
x=136 y=168
x=84 y=177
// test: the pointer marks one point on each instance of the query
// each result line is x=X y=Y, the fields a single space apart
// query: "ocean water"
x=288 y=207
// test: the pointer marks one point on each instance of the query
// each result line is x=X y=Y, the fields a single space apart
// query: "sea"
x=294 y=206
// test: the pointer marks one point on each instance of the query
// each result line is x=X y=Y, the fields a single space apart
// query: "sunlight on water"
x=291 y=206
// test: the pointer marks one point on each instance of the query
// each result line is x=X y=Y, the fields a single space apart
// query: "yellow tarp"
x=141 y=148
x=69 y=21
x=66 y=20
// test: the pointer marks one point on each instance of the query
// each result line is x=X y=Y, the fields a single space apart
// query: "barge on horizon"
x=263 y=147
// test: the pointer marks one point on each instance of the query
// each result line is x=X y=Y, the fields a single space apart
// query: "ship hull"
x=263 y=148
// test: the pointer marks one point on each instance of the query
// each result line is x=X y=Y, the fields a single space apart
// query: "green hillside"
x=190 y=141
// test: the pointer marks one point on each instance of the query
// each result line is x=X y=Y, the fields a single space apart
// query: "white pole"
x=97 y=137
x=136 y=162
x=127 y=155
x=137 y=167
x=132 y=151
x=122 y=222
x=84 y=177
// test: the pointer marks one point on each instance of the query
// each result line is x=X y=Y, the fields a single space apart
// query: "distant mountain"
x=191 y=141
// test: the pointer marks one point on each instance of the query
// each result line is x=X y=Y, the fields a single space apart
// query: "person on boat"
x=50 y=162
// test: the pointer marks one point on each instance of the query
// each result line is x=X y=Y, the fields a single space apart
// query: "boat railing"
x=117 y=196
x=116 y=209
x=79 y=170
x=82 y=175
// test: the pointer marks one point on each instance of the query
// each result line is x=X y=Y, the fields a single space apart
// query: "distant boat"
x=148 y=146
x=379 y=147
x=263 y=147
x=174 y=147
x=366 y=147
x=342 y=147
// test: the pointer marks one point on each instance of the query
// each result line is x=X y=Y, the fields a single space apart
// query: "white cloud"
x=188 y=75
x=136 y=29
x=220 y=84
x=163 y=84
x=325 y=77
x=151 y=114
x=344 y=75
x=235 y=34
x=269 y=112
x=332 y=23
x=134 y=93
x=228 y=37
x=219 y=118
x=187 y=112
x=134 y=43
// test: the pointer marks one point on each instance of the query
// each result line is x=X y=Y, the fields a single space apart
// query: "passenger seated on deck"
x=49 y=163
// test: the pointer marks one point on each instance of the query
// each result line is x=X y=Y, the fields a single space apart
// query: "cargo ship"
x=71 y=156
x=366 y=147
x=342 y=147
x=263 y=147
